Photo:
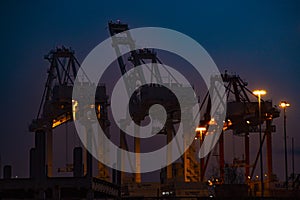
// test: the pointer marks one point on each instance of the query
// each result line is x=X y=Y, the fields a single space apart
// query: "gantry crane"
x=242 y=118
x=156 y=94
x=242 y=109
x=57 y=107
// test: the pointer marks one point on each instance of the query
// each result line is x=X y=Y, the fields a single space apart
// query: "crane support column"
x=247 y=156
x=49 y=153
x=121 y=175
x=269 y=149
x=221 y=153
x=169 y=150
x=137 y=150
x=40 y=141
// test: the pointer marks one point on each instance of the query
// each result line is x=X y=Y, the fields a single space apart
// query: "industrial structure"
x=57 y=108
x=151 y=94
x=185 y=178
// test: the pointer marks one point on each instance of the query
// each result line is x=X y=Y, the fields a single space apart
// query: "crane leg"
x=49 y=153
x=247 y=156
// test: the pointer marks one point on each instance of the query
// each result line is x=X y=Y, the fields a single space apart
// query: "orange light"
x=74 y=108
x=200 y=129
x=212 y=121
x=201 y=132
x=259 y=92
x=284 y=104
x=60 y=120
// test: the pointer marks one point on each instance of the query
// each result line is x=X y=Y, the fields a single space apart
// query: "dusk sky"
x=258 y=40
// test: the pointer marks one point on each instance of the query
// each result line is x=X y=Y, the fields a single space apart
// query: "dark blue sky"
x=259 y=40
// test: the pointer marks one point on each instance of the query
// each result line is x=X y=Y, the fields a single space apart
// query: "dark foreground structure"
x=180 y=180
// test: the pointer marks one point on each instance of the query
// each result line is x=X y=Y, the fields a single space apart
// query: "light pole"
x=258 y=93
x=201 y=131
x=293 y=161
x=284 y=105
